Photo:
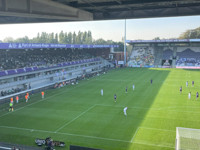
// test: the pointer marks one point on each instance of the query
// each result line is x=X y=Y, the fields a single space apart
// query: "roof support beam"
x=42 y=9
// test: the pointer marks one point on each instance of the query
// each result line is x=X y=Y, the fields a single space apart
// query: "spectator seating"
x=188 y=58
x=13 y=59
x=167 y=54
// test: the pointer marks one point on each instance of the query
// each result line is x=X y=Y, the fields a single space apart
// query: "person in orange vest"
x=17 y=99
x=27 y=94
x=11 y=99
x=26 y=97
x=42 y=93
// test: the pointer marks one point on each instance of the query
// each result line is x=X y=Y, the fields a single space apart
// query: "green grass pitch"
x=79 y=115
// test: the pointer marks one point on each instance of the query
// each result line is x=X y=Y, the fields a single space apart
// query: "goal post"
x=187 y=138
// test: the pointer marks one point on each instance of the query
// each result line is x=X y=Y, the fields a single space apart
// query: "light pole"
x=125 y=43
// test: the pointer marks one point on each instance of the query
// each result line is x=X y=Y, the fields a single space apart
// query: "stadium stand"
x=27 y=70
x=188 y=57
x=143 y=56
x=167 y=54
x=13 y=59
x=164 y=57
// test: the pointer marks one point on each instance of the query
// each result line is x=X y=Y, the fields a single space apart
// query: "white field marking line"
x=38 y=101
x=159 y=81
x=5 y=147
x=144 y=143
x=75 y=118
x=128 y=107
x=157 y=109
x=70 y=134
x=157 y=129
x=175 y=107
x=135 y=134
x=85 y=136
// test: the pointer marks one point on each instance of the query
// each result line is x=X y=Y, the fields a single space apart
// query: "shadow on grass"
x=144 y=94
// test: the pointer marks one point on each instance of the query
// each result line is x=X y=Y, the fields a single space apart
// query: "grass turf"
x=79 y=115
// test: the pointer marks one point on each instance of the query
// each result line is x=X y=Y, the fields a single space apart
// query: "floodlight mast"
x=125 y=43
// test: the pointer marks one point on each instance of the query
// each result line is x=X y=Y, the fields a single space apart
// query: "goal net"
x=187 y=139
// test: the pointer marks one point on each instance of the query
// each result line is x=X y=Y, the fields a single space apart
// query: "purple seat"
x=59 y=65
x=11 y=72
x=35 y=68
x=21 y=70
x=65 y=64
x=2 y=73
x=28 y=69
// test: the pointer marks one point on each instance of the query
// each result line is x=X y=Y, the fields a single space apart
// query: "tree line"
x=64 y=38
x=188 y=34
x=191 y=34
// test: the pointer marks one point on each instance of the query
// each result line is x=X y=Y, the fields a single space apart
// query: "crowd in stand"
x=12 y=59
x=142 y=56
x=188 y=62
x=188 y=58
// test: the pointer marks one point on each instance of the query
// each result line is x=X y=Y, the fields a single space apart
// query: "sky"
x=146 y=29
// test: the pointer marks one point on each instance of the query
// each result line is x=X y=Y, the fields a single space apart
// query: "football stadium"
x=88 y=96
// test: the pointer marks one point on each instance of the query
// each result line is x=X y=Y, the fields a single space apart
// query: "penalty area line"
x=86 y=136
x=134 y=135
x=64 y=133
x=155 y=145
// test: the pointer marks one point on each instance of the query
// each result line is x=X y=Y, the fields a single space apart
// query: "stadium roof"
x=29 y=11
x=163 y=41
x=49 y=45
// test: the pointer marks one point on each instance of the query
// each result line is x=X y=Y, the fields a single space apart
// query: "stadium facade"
x=176 y=53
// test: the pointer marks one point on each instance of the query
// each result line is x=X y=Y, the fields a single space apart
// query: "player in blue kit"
x=197 y=95
x=115 y=97
x=181 y=89
x=151 y=81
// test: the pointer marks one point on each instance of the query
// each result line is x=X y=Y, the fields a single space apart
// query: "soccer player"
x=11 y=99
x=133 y=87
x=115 y=97
x=101 y=92
x=125 y=109
x=192 y=83
x=126 y=89
x=197 y=95
x=42 y=93
x=26 y=98
x=151 y=81
x=17 y=99
x=189 y=95
x=11 y=106
x=186 y=83
x=181 y=89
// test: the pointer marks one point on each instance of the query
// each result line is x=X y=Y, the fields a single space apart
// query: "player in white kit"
x=189 y=95
x=133 y=87
x=101 y=92
x=125 y=109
